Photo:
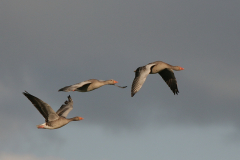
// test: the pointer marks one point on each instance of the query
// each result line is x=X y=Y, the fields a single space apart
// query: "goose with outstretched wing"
x=53 y=120
x=163 y=69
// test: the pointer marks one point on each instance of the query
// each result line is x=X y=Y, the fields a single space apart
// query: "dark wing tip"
x=132 y=94
x=63 y=89
x=25 y=93
x=70 y=99
x=174 y=88
x=176 y=92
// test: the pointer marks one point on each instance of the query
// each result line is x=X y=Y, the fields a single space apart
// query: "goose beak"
x=40 y=127
x=181 y=68
x=115 y=81
x=80 y=118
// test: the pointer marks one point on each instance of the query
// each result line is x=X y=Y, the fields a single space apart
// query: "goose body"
x=163 y=69
x=53 y=120
x=89 y=85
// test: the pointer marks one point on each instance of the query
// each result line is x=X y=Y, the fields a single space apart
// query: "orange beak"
x=115 y=81
x=40 y=127
x=181 y=68
x=80 y=118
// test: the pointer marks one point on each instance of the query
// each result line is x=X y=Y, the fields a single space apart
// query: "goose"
x=163 y=69
x=89 y=85
x=53 y=120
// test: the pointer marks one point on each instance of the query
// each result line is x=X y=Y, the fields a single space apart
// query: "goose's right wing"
x=169 y=77
x=65 y=108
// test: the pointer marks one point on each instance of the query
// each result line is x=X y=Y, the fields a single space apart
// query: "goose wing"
x=140 y=76
x=169 y=77
x=74 y=87
x=65 y=108
x=45 y=109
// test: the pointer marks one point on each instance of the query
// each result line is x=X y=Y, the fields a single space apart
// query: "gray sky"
x=46 y=45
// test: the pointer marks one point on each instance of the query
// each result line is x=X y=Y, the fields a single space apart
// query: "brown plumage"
x=163 y=69
x=53 y=120
x=89 y=85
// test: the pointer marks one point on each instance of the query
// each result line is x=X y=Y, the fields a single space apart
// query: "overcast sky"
x=46 y=45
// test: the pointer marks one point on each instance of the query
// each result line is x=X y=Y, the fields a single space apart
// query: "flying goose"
x=89 y=85
x=163 y=69
x=53 y=120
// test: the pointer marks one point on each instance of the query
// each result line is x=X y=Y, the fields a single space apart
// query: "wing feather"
x=140 y=77
x=74 y=87
x=169 y=77
x=65 y=108
x=45 y=109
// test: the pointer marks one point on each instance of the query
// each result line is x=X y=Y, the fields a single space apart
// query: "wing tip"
x=175 y=91
x=60 y=90
x=25 y=93
x=70 y=99
x=64 y=89
x=132 y=94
